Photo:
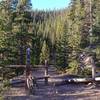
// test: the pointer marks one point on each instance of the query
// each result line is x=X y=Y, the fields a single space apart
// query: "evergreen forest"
x=59 y=36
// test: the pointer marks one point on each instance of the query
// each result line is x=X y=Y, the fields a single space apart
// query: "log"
x=16 y=66
x=14 y=82
x=24 y=66
x=76 y=80
x=43 y=77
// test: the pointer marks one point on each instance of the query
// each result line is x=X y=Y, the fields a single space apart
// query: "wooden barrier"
x=42 y=77
x=15 y=66
x=24 y=66
x=45 y=67
x=46 y=72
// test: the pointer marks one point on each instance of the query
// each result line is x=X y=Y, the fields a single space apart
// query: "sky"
x=49 y=4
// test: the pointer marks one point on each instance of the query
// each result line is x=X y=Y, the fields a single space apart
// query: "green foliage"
x=44 y=53
x=36 y=49
x=62 y=52
x=85 y=73
x=97 y=50
x=66 y=33
x=3 y=87
x=73 y=67
x=7 y=49
x=1 y=98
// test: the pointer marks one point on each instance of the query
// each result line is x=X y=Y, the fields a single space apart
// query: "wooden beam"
x=16 y=66
x=42 y=77
x=24 y=66
x=13 y=82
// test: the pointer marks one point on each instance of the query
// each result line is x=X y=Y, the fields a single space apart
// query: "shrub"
x=73 y=67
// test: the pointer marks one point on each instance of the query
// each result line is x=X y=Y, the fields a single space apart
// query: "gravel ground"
x=73 y=91
x=63 y=92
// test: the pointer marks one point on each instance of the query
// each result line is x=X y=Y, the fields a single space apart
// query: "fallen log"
x=74 y=80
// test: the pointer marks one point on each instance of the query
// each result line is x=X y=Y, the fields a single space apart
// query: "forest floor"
x=51 y=91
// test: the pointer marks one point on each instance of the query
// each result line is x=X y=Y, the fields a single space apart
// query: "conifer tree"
x=21 y=26
x=44 y=53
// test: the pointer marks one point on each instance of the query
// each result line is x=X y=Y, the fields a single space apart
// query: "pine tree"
x=21 y=26
x=62 y=48
x=44 y=53
x=7 y=47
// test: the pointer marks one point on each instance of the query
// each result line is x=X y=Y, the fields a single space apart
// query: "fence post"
x=93 y=69
x=27 y=70
x=46 y=72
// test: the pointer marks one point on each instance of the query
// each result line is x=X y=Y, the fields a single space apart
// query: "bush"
x=3 y=87
x=73 y=67
x=85 y=73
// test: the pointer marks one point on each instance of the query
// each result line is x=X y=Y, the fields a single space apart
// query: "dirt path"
x=52 y=92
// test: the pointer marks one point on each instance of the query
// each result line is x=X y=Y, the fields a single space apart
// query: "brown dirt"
x=52 y=92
